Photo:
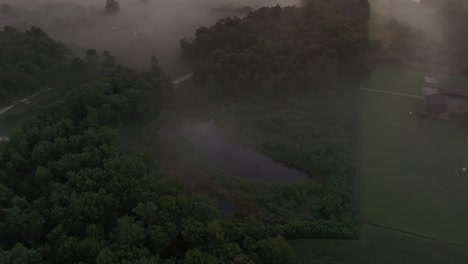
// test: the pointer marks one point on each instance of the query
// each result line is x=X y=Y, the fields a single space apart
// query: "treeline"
x=276 y=50
x=455 y=24
x=333 y=214
x=70 y=194
x=31 y=61
x=27 y=61
x=440 y=46
x=282 y=48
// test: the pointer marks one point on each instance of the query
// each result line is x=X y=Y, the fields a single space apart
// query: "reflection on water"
x=211 y=143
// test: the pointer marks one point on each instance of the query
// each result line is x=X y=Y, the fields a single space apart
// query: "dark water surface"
x=213 y=145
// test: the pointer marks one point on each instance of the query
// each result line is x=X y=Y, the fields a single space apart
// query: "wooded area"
x=31 y=61
x=71 y=193
x=283 y=48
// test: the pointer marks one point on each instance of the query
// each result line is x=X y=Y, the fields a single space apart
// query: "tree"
x=277 y=49
x=5 y=9
x=274 y=251
x=20 y=254
x=109 y=60
x=112 y=7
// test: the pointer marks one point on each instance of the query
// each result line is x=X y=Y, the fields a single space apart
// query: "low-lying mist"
x=137 y=32
x=416 y=32
x=417 y=14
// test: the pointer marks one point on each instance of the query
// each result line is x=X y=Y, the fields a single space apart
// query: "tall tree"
x=112 y=6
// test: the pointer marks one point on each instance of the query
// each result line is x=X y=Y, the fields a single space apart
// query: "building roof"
x=429 y=91
x=430 y=79
x=454 y=92
x=434 y=100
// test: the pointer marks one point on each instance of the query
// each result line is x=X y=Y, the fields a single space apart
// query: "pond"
x=213 y=145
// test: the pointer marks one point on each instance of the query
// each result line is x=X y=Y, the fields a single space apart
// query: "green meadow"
x=412 y=186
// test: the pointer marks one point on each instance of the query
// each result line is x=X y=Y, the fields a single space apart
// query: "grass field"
x=377 y=246
x=411 y=180
x=411 y=174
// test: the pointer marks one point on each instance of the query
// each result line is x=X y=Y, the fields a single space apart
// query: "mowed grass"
x=411 y=174
x=377 y=246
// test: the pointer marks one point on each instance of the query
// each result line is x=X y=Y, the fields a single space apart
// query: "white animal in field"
x=463 y=169
x=410 y=113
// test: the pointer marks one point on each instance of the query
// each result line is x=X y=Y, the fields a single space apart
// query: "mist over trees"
x=31 y=61
x=83 y=23
x=5 y=8
x=70 y=194
x=427 y=34
x=455 y=23
x=279 y=48
x=28 y=61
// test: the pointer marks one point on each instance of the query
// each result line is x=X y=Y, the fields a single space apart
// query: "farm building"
x=430 y=79
x=434 y=101
x=454 y=92
x=442 y=102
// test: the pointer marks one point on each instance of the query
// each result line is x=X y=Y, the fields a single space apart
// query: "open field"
x=411 y=181
x=377 y=246
x=411 y=168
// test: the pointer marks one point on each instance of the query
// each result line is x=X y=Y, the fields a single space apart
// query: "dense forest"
x=31 y=61
x=283 y=48
x=316 y=51
x=70 y=194
x=28 y=60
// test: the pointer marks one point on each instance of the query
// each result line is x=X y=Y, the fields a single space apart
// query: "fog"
x=417 y=14
x=423 y=16
x=137 y=32
x=141 y=30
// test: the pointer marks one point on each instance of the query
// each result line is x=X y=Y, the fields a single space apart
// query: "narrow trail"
x=26 y=100
x=23 y=101
x=393 y=93
x=5 y=109
x=415 y=235
x=182 y=79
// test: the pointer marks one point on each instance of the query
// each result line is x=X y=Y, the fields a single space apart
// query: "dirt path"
x=393 y=93
x=23 y=101
x=415 y=235
x=182 y=79
x=5 y=109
